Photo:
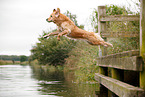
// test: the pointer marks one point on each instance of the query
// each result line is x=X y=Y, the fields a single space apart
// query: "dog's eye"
x=51 y=16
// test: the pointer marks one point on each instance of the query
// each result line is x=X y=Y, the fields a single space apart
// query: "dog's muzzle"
x=48 y=21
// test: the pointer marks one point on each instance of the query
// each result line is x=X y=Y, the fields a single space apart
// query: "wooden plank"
x=127 y=63
x=119 y=18
x=129 y=60
x=120 y=34
x=123 y=54
x=119 y=88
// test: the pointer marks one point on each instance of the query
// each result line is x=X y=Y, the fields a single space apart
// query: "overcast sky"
x=22 y=21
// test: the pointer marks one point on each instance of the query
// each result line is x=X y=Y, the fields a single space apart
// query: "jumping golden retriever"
x=68 y=28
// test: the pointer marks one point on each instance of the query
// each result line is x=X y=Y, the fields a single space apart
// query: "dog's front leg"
x=51 y=34
x=62 y=33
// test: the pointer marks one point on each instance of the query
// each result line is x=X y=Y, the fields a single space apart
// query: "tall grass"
x=82 y=60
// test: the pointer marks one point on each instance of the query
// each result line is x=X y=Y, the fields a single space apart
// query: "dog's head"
x=54 y=16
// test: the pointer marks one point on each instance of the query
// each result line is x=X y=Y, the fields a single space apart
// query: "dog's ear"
x=57 y=12
x=54 y=10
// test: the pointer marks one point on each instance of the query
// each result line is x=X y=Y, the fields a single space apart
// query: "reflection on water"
x=22 y=81
x=16 y=81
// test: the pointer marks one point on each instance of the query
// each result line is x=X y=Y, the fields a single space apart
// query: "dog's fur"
x=68 y=28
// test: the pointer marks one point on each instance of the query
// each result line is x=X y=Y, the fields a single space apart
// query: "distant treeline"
x=13 y=57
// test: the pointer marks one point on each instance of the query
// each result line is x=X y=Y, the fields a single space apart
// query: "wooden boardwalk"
x=127 y=69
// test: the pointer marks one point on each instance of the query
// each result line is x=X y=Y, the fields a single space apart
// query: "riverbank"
x=7 y=62
x=81 y=73
x=81 y=60
x=71 y=88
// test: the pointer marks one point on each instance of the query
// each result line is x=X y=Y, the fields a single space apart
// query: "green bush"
x=51 y=51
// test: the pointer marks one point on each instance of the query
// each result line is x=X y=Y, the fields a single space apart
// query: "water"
x=22 y=81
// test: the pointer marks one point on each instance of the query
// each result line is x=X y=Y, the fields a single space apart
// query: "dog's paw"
x=58 y=38
x=45 y=36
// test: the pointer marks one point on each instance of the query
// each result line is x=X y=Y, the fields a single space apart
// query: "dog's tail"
x=103 y=42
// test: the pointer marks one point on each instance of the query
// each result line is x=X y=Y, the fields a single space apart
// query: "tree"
x=23 y=58
x=52 y=51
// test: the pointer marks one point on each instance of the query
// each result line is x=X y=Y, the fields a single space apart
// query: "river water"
x=23 y=81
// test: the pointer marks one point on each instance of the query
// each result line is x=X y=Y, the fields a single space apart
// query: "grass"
x=82 y=61
x=50 y=68
x=6 y=62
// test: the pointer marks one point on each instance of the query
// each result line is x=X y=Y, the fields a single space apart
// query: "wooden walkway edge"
x=128 y=60
x=119 y=88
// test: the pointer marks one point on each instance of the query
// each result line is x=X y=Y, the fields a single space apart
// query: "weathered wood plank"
x=126 y=63
x=119 y=88
x=129 y=60
x=120 y=34
x=123 y=54
x=119 y=18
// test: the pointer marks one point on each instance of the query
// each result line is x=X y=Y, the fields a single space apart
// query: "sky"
x=22 y=21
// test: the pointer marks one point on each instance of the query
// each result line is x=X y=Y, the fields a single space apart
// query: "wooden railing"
x=106 y=18
x=121 y=74
x=128 y=60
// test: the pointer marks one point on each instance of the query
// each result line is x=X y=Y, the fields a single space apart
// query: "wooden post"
x=117 y=74
x=101 y=27
x=142 y=42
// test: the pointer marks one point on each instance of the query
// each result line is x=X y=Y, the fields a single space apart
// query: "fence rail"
x=110 y=34
x=119 y=18
x=129 y=63
x=118 y=87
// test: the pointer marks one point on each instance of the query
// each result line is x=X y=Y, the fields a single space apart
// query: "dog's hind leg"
x=94 y=42
x=106 y=44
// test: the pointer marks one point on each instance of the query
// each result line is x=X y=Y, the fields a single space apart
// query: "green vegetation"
x=51 y=51
x=23 y=58
x=6 y=62
x=13 y=59
x=8 y=57
x=82 y=60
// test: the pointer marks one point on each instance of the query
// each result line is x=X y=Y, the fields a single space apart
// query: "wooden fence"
x=121 y=74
